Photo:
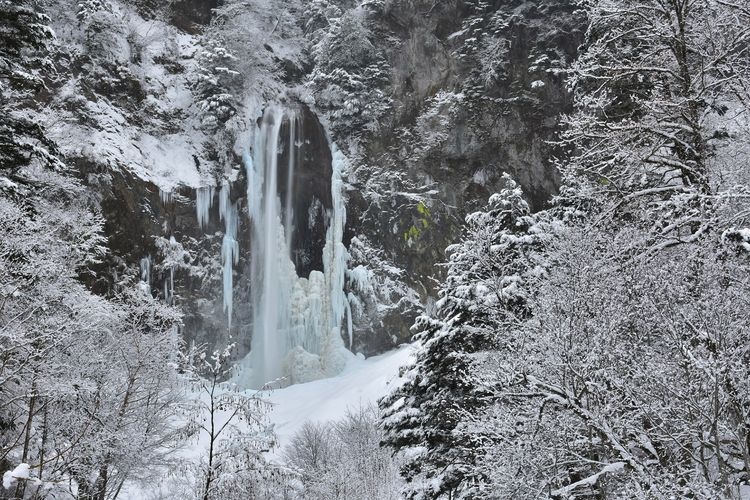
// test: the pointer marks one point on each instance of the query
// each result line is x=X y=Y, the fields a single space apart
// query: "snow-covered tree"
x=215 y=81
x=483 y=297
x=25 y=42
x=117 y=417
x=343 y=459
x=235 y=426
x=350 y=72
x=43 y=306
x=624 y=382
x=654 y=80
x=90 y=386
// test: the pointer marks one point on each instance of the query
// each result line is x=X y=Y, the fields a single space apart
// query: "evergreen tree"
x=25 y=40
x=483 y=296
x=214 y=81
x=350 y=73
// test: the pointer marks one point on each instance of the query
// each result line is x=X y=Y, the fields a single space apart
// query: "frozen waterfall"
x=230 y=249
x=296 y=333
x=296 y=320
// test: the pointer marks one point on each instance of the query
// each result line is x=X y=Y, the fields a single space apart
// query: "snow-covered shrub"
x=343 y=459
x=376 y=287
x=106 y=31
x=350 y=74
x=87 y=8
x=214 y=80
x=436 y=123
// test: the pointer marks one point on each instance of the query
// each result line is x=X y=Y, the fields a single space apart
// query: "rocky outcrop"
x=140 y=221
x=311 y=196
x=477 y=91
x=191 y=15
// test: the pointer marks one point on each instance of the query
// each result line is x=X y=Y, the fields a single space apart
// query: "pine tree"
x=483 y=295
x=25 y=41
x=213 y=83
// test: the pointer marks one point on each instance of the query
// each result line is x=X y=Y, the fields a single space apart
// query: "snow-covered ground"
x=362 y=382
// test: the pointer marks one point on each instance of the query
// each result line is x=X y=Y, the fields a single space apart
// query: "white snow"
x=20 y=472
x=7 y=183
x=362 y=382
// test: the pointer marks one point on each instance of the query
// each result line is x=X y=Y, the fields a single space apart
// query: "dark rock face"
x=137 y=216
x=457 y=124
x=311 y=189
x=191 y=15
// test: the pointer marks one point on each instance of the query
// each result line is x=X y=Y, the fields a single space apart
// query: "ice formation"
x=204 y=200
x=296 y=332
x=230 y=249
x=165 y=196
x=296 y=335
x=145 y=283
x=146 y=270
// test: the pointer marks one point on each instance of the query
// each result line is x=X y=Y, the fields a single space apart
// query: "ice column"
x=204 y=200
x=230 y=250
x=165 y=196
x=145 y=283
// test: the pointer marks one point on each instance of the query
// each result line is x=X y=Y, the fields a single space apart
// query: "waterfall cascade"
x=296 y=332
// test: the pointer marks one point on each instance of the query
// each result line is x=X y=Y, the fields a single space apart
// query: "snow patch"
x=11 y=477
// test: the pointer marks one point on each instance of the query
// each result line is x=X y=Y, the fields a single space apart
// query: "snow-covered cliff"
x=428 y=105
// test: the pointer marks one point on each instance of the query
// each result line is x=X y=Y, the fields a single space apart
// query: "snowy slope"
x=362 y=382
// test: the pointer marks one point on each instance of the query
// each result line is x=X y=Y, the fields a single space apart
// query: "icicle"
x=335 y=255
x=230 y=250
x=254 y=187
x=145 y=283
x=204 y=200
x=146 y=269
x=348 y=309
x=171 y=284
x=165 y=196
